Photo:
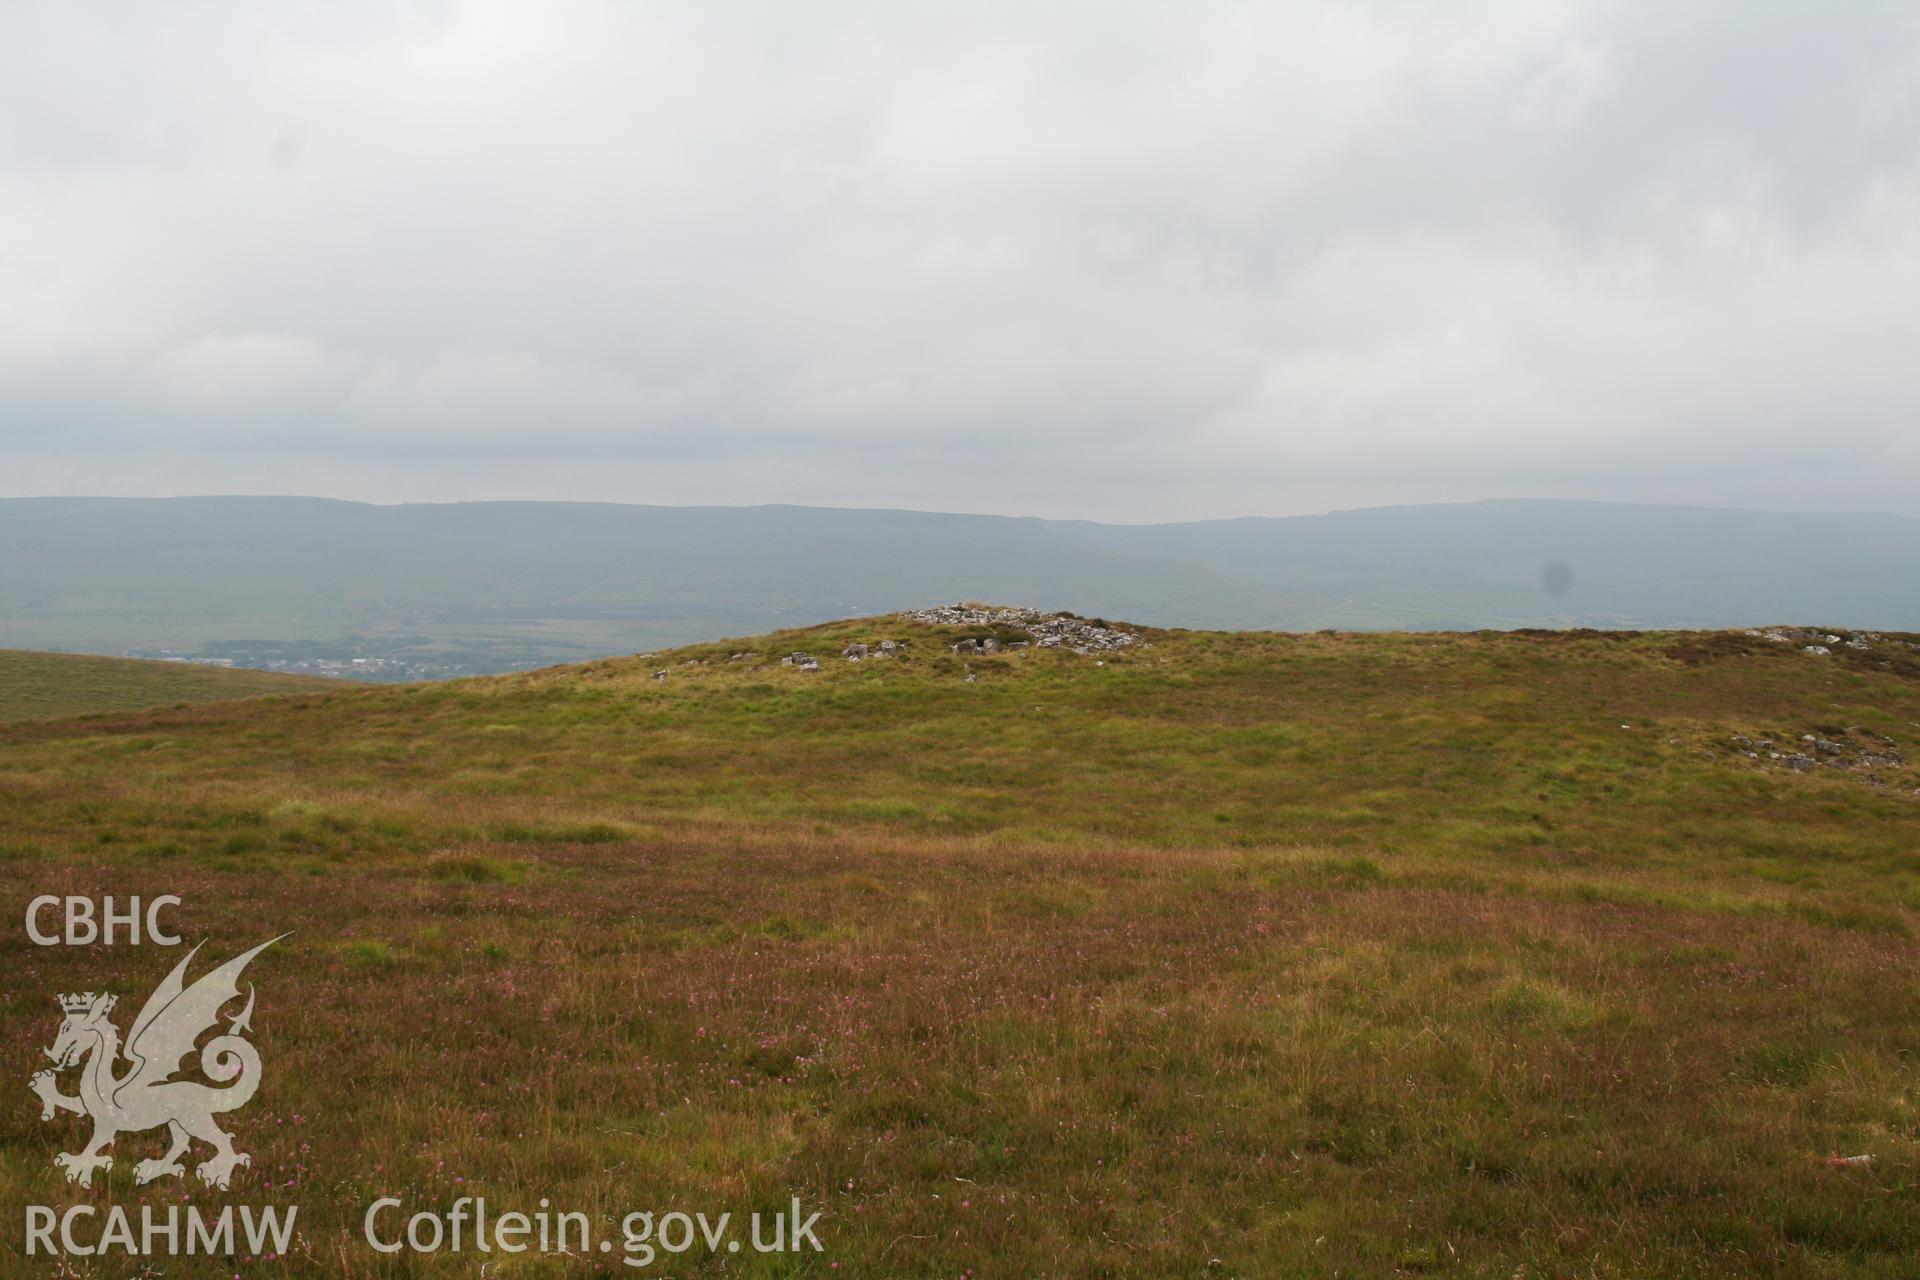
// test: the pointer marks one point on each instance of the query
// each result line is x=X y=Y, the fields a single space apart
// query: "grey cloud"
x=1115 y=261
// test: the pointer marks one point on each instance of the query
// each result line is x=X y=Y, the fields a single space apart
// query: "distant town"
x=377 y=660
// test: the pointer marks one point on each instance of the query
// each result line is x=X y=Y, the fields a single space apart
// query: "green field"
x=36 y=685
x=1230 y=954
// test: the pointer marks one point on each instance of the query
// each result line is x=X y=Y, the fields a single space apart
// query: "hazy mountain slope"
x=564 y=578
x=537 y=581
x=1483 y=563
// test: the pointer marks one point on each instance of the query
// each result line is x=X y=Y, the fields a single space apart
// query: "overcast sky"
x=1127 y=262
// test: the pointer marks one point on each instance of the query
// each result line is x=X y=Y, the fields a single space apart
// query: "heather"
x=1226 y=954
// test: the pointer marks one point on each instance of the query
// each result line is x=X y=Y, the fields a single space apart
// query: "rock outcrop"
x=1046 y=630
x=1822 y=643
x=1857 y=750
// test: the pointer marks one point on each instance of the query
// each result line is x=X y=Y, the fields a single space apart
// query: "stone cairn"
x=1048 y=630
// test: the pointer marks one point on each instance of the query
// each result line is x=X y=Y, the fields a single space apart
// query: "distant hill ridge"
x=551 y=581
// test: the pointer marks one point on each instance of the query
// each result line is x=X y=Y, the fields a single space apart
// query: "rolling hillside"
x=490 y=586
x=1213 y=954
x=38 y=685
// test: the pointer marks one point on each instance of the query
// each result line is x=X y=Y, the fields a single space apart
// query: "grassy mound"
x=36 y=685
x=1221 y=954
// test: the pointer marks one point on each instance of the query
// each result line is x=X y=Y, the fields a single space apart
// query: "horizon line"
x=975 y=515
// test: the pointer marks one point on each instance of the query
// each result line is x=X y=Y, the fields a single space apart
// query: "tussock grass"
x=1238 y=955
x=41 y=685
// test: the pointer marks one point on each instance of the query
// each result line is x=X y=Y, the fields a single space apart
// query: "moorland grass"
x=39 y=685
x=1239 y=955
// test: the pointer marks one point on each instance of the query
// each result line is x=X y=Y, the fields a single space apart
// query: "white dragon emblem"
x=144 y=1096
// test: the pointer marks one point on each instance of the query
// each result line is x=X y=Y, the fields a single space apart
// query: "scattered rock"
x=800 y=661
x=661 y=674
x=1857 y=750
x=1047 y=630
x=854 y=653
x=1821 y=643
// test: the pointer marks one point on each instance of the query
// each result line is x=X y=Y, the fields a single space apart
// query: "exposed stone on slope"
x=1821 y=643
x=1857 y=750
x=1047 y=630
